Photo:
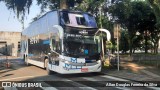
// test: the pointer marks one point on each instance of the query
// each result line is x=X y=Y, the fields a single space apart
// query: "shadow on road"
x=77 y=75
x=9 y=64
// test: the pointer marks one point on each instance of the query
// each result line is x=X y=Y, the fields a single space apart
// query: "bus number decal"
x=68 y=66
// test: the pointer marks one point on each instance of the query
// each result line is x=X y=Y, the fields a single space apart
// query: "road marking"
x=9 y=79
x=44 y=88
x=92 y=79
x=10 y=88
x=119 y=79
x=82 y=86
x=79 y=85
x=48 y=88
x=123 y=88
x=52 y=88
x=150 y=73
x=4 y=69
x=87 y=88
x=154 y=88
x=114 y=78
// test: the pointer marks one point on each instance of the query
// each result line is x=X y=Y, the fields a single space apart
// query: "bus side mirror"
x=53 y=54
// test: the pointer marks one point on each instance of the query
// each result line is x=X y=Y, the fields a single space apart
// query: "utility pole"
x=63 y=4
x=117 y=35
x=118 y=28
x=100 y=20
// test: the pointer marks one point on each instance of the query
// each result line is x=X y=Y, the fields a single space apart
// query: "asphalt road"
x=28 y=76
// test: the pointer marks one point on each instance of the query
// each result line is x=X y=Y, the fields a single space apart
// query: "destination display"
x=80 y=31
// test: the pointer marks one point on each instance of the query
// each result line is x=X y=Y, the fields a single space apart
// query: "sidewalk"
x=2 y=61
x=133 y=71
x=11 y=59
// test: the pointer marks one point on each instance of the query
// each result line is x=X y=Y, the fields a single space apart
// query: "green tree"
x=146 y=21
x=136 y=16
x=155 y=4
x=124 y=45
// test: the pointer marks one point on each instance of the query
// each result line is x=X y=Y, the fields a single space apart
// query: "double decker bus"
x=63 y=41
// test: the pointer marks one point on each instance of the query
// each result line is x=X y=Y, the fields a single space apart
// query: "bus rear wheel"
x=26 y=60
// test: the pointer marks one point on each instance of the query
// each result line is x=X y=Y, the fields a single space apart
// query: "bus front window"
x=85 y=47
x=78 y=20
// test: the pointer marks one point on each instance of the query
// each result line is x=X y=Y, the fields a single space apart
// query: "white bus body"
x=63 y=41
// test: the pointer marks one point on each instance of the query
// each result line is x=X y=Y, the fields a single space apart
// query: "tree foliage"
x=136 y=16
x=155 y=4
x=21 y=6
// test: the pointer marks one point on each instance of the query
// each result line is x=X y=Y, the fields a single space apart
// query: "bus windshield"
x=78 y=20
x=81 y=47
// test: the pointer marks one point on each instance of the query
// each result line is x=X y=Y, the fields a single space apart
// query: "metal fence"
x=145 y=57
x=3 y=59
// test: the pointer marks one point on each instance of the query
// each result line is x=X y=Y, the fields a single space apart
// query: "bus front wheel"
x=47 y=67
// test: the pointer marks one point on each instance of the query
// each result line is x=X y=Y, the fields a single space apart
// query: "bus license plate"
x=84 y=70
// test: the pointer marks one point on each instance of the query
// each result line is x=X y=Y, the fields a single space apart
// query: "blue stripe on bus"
x=72 y=68
x=30 y=55
x=46 y=42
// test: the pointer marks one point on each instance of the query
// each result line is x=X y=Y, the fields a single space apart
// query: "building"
x=159 y=46
x=10 y=43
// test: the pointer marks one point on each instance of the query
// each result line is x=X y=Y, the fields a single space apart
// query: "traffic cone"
x=8 y=64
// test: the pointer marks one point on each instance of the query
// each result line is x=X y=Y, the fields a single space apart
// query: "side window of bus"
x=53 y=44
x=64 y=18
x=56 y=45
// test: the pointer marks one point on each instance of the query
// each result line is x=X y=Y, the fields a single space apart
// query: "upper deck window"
x=78 y=20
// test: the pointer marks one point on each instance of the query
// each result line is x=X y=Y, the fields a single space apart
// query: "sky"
x=9 y=21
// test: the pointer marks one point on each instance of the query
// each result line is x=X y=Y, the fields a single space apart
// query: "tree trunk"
x=146 y=47
x=156 y=47
x=130 y=42
x=63 y=4
x=146 y=50
x=130 y=46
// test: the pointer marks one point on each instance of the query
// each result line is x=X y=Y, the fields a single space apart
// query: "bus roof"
x=59 y=10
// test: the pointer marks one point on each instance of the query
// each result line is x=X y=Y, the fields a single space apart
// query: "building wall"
x=159 y=47
x=9 y=41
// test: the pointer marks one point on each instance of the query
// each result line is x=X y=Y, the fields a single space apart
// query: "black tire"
x=47 y=68
x=24 y=57
x=96 y=73
x=25 y=60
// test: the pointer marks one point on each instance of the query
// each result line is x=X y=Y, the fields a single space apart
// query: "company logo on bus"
x=83 y=32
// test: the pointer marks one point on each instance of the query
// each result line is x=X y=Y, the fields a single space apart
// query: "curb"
x=130 y=79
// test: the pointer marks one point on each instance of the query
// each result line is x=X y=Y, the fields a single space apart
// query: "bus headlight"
x=99 y=61
x=67 y=62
